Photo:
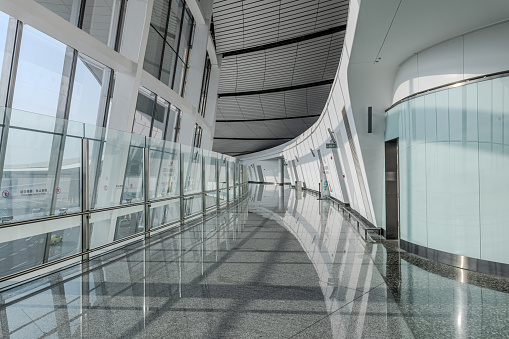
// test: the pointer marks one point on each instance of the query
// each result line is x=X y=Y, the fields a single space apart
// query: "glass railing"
x=70 y=189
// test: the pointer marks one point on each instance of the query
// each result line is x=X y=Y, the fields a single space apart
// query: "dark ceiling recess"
x=279 y=60
x=275 y=90
x=287 y=42
x=272 y=119
x=264 y=139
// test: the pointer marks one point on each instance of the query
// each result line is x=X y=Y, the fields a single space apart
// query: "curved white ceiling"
x=279 y=61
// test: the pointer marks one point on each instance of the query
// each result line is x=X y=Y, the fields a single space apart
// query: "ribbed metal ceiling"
x=279 y=60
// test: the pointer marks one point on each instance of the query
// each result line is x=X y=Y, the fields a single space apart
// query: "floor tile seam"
x=340 y=308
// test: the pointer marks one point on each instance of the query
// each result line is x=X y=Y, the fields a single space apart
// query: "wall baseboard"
x=460 y=261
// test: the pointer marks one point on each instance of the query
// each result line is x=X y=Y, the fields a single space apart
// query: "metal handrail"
x=92 y=250
x=342 y=207
x=105 y=209
x=451 y=85
x=86 y=212
x=34 y=269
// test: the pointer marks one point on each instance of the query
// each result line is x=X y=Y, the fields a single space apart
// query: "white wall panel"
x=480 y=52
x=406 y=81
x=441 y=65
x=487 y=50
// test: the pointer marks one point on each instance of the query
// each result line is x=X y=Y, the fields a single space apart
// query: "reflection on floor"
x=283 y=265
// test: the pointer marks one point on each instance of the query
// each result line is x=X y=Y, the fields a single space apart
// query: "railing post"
x=217 y=183
x=146 y=186
x=85 y=200
x=203 y=184
x=227 y=181
x=181 y=170
x=234 y=181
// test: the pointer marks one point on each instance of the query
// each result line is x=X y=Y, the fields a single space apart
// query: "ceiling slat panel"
x=251 y=23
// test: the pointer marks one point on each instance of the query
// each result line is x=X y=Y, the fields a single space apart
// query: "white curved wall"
x=453 y=146
x=480 y=52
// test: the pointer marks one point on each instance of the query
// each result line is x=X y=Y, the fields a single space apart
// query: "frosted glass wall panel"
x=493 y=107
x=453 y=158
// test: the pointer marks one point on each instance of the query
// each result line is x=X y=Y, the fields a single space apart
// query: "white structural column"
x=281 y=168
x=123 y=105
x=125 y=93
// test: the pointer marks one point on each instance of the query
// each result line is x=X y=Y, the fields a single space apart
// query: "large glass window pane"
x=25 y=246
x=160 y=116
x=178 y=121
x=100 y=19
x=174 y=23
x=67 y=9
x=223 y=167
x=204 y=86
x=144 y=112
x=4 y=29
x=64 y=243
x=41 y=173
x=39 y=76
x=185 y=38
x=164 y=212
x=133 y=184
x=210 y=159
x=108 y=226
x=159 y=15
x=90 y=91
x=192 y=169
x=164 y=169
x=171 y=123
x=180 y=74
x=193 y=205
x=116 y=167
x=155 y=46
x=169 y=60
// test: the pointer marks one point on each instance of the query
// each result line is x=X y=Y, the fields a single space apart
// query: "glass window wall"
x=53 y=79
x=204 y=86
x=43 y=63
x=102 y=19
x=90 y=91
x=155 y=117
x=169 y=43
x=144 y=112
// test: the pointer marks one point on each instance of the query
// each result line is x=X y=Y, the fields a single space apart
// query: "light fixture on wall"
x=370 y=119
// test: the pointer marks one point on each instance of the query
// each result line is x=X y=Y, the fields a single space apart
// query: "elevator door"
x=391 y=189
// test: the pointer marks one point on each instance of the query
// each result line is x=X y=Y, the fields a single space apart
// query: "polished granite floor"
x=281 y=264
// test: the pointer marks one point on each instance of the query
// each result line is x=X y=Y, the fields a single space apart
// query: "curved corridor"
x=280 y=264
